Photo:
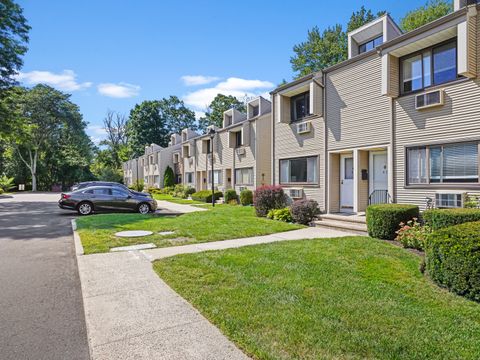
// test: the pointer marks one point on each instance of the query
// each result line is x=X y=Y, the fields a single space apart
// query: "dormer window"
x=300 y=106
x=228 y=120
x=255 y=110
x=433 y=66
x=370 y=45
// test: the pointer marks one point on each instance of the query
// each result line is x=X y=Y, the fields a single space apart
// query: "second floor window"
x=300 y=106
x=370 y=45
x=238 y=139
x=433 y=66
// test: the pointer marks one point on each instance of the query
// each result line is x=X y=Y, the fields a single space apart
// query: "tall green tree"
x=13 y=40
x=214 y=113
x=50 y=134
x=154 y=121
x=432 y=10
x=327 y=48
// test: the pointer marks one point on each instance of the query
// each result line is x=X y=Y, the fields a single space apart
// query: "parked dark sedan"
x=86 y=184
x=106 y=198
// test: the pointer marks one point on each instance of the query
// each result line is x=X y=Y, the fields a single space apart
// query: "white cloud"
x=193 y=80
x=120 y=90
x=66 y=80
x=237 y=87
x=97 y=133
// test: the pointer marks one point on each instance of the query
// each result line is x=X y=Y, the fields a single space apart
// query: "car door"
x=102 y=198
x=122 y=200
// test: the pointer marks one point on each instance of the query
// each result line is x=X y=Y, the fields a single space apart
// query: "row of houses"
x=398 y=121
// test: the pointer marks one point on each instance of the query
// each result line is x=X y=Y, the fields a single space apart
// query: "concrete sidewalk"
x=133 y=314
x=306 y=233
x=177 y=208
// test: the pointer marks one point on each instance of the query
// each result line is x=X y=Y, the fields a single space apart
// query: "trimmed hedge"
x=230 y=195
x=442 y=218
x=246 y=197
x=383 y=220
x=206 y=196
x=452 y=258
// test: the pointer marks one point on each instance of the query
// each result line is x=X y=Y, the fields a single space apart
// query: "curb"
x=76 y=238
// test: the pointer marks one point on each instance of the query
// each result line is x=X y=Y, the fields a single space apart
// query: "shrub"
x=304 y=211
x=153 y=190
x=441 y=218
x=168 y=177
x=7 y=183
x=280 y=215
x=246 y=197
x=452 y=259
x=1 y=191
x=206 y=196
x=384 y=220
x=137 y=185
x=189 y=191
x=470 y=201
x=412 y=234
x=267 y=198
x=230 y=196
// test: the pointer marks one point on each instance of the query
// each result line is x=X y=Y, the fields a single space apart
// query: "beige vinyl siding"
x=289 y=144
x=473 y=43
x=357 y=113
x=457 y=120
x=264 y=159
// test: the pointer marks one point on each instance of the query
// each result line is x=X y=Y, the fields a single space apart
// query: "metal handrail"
x=379 y=197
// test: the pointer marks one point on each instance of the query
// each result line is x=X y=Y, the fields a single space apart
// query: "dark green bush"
x=230 y=196
x=206 y=195
x=442 y=218
x=246 y=197
x=168 y=177
x=384 y=220
x=452 y=258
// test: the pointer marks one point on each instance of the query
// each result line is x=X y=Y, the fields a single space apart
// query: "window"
x=417 y=165
x=370 y=45
x=299 y=170
x=255 y=110
x=217 y=177
x=433 y=66
x=189 y=177
x=102 y=191
x=448 y=200
x=300 y=106
x=238 y=139
x=452 y=163
x=244 y=176
x=117 y=192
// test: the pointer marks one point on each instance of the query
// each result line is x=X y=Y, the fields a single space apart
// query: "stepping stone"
x=166 y=233
x=133 y=233
x=134 y=247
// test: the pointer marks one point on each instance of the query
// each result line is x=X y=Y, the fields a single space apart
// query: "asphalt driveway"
x=41 y=306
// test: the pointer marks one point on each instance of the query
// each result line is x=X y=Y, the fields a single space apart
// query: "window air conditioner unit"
x=304 y=127
x=429 y=99
x=240 y=151
x=448 y=200
x=296 y=193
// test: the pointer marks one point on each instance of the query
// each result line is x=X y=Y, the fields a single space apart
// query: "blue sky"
x=114 y=54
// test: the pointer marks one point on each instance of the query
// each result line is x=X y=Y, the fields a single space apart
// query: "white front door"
x=346 y=183
x=378 y=171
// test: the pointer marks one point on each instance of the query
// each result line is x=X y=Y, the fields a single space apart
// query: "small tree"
x=168 y=177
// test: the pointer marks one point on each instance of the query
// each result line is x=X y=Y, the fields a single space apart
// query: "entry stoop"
x=354 y=223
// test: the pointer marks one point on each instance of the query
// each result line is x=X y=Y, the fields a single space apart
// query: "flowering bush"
x=280 y=215
x=304 y=211
x=412 y=234
x=267 y=198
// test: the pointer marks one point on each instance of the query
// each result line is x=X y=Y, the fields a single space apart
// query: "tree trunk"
x=34 y=170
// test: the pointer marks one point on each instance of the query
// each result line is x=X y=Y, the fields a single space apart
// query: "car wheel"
x=143 y=208
x=85 y=208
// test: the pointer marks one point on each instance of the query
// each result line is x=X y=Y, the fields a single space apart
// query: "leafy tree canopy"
x=13 y=39
x=432 y=10
x=220 y=104
x=327 y=48
x=154 y=121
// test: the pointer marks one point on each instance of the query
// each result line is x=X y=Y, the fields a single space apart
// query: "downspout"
x=392 y=147
x=273 y=138
x=325 y=147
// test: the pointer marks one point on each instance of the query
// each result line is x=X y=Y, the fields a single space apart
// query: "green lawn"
x=346 y=298
x=175 y=200
x=221 y=223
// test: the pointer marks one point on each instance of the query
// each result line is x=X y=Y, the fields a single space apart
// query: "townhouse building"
x=395 y=122
x=240 y=151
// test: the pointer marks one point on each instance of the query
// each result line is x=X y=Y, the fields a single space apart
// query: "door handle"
x=341 y=182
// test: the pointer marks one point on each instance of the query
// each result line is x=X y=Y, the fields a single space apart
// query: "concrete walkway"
x=167 y=206
x=133 y=314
